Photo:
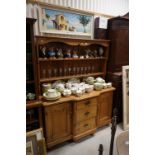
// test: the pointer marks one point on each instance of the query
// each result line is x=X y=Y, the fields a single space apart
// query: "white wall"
x=109 y=7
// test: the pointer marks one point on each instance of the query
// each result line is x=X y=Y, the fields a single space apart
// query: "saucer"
x=52 y=98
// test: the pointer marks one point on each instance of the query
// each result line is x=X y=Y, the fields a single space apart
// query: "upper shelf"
x=41 y=40
x=70 y=59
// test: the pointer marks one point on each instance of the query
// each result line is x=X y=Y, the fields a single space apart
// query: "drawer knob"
x=87 y=113
x=85 y=125
x=87 y=103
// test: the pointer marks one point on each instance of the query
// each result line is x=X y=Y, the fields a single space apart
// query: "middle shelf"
x=68 y=77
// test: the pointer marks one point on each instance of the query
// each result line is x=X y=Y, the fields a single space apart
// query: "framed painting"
x=40 y=140
x=37 y=132
x=65 y=21
x=31 y=145
x=125 y=71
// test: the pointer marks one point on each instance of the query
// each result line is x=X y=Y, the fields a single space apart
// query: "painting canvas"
x=65 y=22
x=125 y=70
x=31 y=145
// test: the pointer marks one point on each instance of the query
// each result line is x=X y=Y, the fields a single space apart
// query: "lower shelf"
x=29 y=122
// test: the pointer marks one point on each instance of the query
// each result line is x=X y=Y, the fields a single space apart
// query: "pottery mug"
x=51 y=93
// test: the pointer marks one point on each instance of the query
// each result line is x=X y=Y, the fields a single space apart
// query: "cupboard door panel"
x=104 y=108
x=57 y=121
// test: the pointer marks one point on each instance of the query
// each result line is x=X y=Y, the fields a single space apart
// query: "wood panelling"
x=104 y=108
x=57 y=122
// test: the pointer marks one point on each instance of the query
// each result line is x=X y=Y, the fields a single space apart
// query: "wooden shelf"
x=33 y=104
x=73 y=76
x=29 y=81
x=29 y=122
x=70 y=59
x=63 y=99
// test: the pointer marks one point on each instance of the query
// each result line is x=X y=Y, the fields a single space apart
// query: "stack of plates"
x=52 y=98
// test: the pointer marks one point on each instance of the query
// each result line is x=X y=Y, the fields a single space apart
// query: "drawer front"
x=84 y=114
x=85 y=126
x=86 y=103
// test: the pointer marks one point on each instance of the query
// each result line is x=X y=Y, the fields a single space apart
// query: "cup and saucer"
x=51 y=94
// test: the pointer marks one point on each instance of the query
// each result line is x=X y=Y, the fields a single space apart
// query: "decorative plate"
x=52 y=98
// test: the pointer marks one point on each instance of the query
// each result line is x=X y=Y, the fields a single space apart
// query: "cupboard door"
x=57 y=122
x=104 y=108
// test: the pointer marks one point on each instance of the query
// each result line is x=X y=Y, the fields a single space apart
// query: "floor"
x=88 y=145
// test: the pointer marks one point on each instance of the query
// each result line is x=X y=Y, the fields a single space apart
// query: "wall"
x=107 y=7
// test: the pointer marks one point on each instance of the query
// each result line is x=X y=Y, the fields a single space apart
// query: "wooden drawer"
x=84 y=114
x=85 y=126
x=86 y=103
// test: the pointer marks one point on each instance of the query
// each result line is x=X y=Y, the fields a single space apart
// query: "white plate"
x=52 y=98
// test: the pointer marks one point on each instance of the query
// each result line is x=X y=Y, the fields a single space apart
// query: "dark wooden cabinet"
x=57 y=123
x=30 y=58
x=33 y=106
x=104 y=108
x=118 y=33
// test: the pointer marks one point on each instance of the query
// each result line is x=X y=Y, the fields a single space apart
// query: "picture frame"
x=38 y=133
x=125 y=84
x=31 y=145
x=65 y=22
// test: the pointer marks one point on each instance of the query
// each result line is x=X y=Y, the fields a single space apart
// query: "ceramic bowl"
x=57 y=83
x=109 y=84
x=68 y=85
x=104 y=85
x=78 y=92
x=73 y=90
x=98 y=86
x=82 y=88
x=60 y=87
x=67 y=92
x=89 y=88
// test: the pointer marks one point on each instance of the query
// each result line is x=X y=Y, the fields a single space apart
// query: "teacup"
x=74 y=89
x=67 y=92
x=51 y=93
x=46 y=87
